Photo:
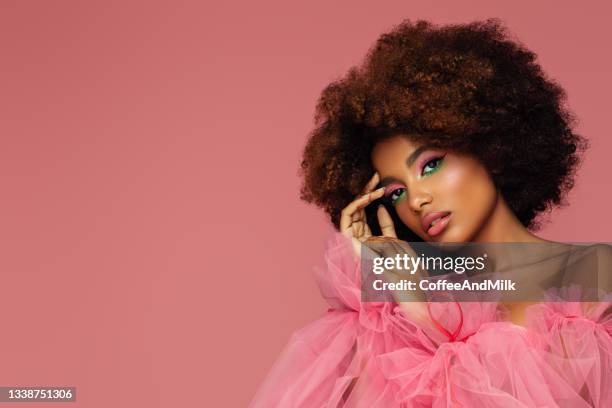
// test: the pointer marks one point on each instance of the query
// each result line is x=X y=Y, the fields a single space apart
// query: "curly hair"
x=467 y=88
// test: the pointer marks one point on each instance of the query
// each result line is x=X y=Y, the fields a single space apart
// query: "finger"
x=345 y=222
x=363 y=201
x=371 y=184
x=346 y=216
x=386 y=222
x=356 y=246
x=367 y=232
x=357 y=229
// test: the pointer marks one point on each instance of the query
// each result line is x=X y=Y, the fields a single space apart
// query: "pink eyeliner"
x=391 y=188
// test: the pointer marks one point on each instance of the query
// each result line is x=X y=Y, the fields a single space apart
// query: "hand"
x=353 y=223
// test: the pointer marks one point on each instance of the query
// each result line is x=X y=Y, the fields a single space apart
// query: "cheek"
x=460 y=183
x=410 y=219
x=470 y=192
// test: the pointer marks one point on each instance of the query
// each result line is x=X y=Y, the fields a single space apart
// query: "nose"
x=419 y=198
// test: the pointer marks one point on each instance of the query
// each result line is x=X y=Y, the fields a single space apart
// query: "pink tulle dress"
x=362 y=354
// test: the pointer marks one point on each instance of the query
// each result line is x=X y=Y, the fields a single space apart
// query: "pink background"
x=154 y=250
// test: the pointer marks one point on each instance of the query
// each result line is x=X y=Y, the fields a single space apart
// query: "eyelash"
x=438 y=159
x=393 y=192
x=389 y=197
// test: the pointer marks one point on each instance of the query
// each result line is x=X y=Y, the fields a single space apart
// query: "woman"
x=443 y=134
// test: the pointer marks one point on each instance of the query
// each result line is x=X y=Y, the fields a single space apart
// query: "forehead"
x=392 y=151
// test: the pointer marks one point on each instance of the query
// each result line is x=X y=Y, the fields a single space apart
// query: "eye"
x=432 y=166
x=396 y=194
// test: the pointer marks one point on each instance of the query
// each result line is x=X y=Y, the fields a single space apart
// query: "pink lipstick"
x=434 y=223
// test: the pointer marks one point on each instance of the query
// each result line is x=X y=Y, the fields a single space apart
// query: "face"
x=440 y=195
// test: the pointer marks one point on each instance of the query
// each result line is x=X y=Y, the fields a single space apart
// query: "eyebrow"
x=409 y=162
x=386 y=181
x=414 y=155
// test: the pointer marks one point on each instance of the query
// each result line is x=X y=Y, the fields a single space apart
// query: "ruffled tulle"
x=366 y=354
x=574 y=338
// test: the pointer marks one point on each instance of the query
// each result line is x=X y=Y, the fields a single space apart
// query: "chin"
x=451 y=235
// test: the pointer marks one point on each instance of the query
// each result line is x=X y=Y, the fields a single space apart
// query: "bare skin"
x=420 y=181
x=423 y=180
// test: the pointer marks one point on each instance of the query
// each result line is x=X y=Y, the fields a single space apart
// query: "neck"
x=503 y=226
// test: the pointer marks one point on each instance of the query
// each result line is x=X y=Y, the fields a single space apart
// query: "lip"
x=440 y=225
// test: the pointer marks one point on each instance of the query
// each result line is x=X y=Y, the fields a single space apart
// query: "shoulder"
x=602 y=251
x=601 y=255
x=595 y=257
